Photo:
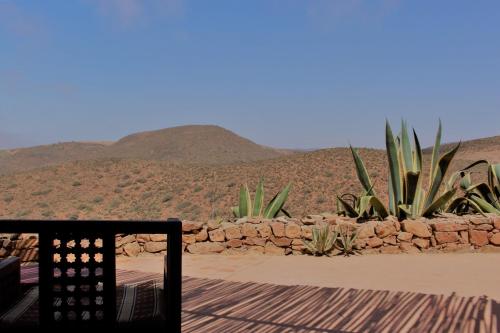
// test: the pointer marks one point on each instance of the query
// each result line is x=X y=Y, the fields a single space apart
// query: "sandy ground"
x=470 y=274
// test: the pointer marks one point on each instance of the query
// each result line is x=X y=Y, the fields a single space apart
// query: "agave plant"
x=323 y=240
x=362 y=207
x=346 y=239
x=256 y=208
x=407 y=196
x=479 y=198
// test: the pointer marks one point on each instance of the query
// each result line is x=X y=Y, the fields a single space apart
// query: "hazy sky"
x=285 y=73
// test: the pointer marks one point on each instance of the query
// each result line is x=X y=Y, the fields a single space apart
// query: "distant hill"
x=198 y=144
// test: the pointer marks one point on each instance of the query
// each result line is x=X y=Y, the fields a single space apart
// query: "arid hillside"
x=194 y=144
x=147 y=188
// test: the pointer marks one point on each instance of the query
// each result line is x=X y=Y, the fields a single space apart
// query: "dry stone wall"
x=286 y=236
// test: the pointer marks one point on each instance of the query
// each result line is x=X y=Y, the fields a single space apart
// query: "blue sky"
x=286 y=73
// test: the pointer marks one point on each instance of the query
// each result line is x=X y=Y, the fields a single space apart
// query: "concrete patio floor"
x=464 y=274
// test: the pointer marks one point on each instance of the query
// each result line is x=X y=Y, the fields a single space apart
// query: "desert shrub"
x=48 y=213
x=183 y=205
x=76 y=183
x=198 y=188
x=11 y=186
x=41 y=192
x=124 y=184
x=167 y=197
x=98 y=199
x=42 y=205
x=320 y=200
x=73 y=216
x=8 y=198
x=329 y=174
x=114 y=203
x=136 y=171
x=141 y=180
x=146 y=195
x=118 y=190
x=231 y=184
x=85 y=207
x=23 y=213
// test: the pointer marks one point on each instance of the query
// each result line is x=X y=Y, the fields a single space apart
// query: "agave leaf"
x=245 y=207
x=494 y=177
x=350 y=210
x=392 y=200
x=363 y=176
x=406 y=152
x=470 y=166
x=486 y=194
x=435 y=154
x=440 y=172
x=286 y=213
x=259 y=199
x=463 y=201
x=484 y=205
x=275 y=206
x=378 y=206
x=466 y=181
x=418 y=153
x=406 y=209
x=439 y=203
x=412 y=179
x=392 y=155
x=236 y=212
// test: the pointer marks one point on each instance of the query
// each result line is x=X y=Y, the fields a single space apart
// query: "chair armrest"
x=10 y=281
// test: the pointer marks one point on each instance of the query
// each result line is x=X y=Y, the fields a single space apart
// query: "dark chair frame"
x=10 y=281
x=105 y=231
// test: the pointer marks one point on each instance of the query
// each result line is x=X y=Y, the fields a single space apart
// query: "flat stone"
x=366 y=230
x=271 y=249
x=407 y=247
x=405 y=236
x=495 y=239
x=306 y=232
x=374 y=242
x=478 y=237
x=485 y=227
x=154 y=247
x=281 y=241
x=278 y=229
x=390 y=250
x=213 y=224
x=202 y=235
x=234 y=243
x=390 y=240
x=205 y=247
x=233 y=232
x=480 y=220
x=158 y=238
x=384 y=229
x=489 y=249
x=293 y=230
x=189 y=239
x=255 y=241
x=248 y=230
x=188 y=226
x=125 y=240
x=421 y=243
x=255 y=250
x=449 y=226
x=496 y=223
x=217 y=235
x=443 y=237
x=464 y=237
x=132 y=249
x=264 y=230
x=417 y=228
x=143 y=238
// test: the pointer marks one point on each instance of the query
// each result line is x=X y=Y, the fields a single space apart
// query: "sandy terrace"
x=466 y=274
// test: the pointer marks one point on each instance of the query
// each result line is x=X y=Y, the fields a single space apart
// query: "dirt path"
x=468 y=274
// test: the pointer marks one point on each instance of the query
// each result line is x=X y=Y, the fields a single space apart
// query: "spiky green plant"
x=479 y=198
x=323 y=240
x=256 y=208
x=407 y=196
x=346 y=239
x=364 y=207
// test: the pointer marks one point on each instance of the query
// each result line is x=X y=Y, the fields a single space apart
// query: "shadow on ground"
x=224 y=306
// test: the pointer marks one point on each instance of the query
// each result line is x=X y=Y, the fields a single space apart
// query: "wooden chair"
x=77 y=280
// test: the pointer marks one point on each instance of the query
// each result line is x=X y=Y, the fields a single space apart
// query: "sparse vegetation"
x=323 y=240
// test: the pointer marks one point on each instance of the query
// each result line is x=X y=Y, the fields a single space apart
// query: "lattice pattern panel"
x=81 y=279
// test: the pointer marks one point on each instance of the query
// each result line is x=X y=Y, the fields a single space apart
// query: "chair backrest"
x=77 y=278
